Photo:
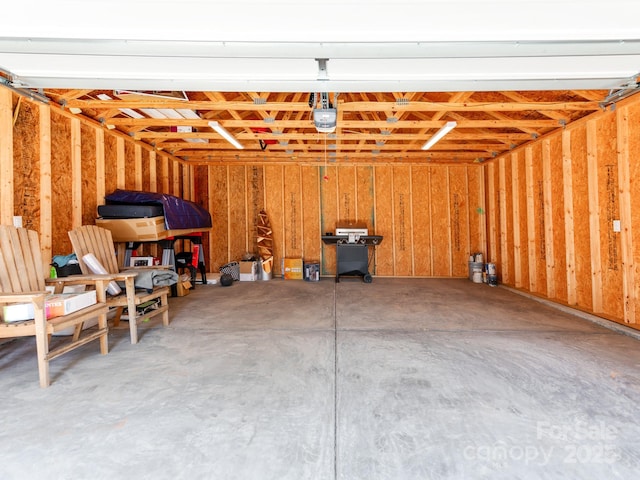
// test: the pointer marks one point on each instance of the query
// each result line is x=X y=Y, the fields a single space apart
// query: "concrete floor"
x=398 y=379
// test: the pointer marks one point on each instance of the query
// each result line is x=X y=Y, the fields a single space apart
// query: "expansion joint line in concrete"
x=335 y=384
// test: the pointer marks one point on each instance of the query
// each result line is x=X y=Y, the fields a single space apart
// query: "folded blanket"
x=150 y=277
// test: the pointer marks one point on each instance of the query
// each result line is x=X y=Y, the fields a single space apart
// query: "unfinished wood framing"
x=577 y=185
x=544 y=212
x=6 y=156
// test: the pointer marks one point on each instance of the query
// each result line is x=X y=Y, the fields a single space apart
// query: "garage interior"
x=420 y=374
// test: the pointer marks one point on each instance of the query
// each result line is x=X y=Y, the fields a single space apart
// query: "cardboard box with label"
x=292 y=269
x=248 y=271
x=56 y=305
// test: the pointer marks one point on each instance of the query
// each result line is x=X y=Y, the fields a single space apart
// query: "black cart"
x=352 y=258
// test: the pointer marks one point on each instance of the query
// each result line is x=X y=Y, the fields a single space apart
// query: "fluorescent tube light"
x=228 y=137
x=439 y=134
x=153 y=113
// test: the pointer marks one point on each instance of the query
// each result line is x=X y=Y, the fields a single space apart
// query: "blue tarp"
x=178 y=213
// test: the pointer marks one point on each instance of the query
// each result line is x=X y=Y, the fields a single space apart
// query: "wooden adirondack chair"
x=98 y=241
x=22 y=280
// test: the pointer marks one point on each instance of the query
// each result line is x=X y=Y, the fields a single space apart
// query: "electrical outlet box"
x=616 y=225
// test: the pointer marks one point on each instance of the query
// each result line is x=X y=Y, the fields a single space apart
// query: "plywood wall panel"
x=365 y=202
x=110 y=164
x=201 y=197
x=477 y=211
x=311 y=213
x=493 y=217
x=238 y=241
x=508 y=222
x=581 y=225
x=292 y=201
x=89 y=179
x=421 y=220
x=540 y=215
x=532 y=246
x=459 y=221
x=274 y=186
x=520 y=220
x=163 y=174
x=218 y=200
x=255 y=202
x=555 y=226
x=609 y=210
x=146 y=171
x=384 y=220
x=129 y=166
x=26 y=167
x=61 y=183
x=328 y=215
x=402 y=225
x=176 y=178
x=347 y=196
x=440 y=222
x=630 y=206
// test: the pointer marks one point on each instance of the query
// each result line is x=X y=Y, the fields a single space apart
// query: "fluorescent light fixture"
x=153 y=113
x=227 y=136
x=439 y=134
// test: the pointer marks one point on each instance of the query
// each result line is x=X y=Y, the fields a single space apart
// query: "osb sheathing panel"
x=347 y=194
x=61 y=184
x=557 y=289
x=88 y=159
x=383 y=188
x=580 y=227
x=440 y=222
x=237 y=212
x=217 y=205
x=274 y=188
x=146 y=171
x=460 y=217
x=255 y=202
x=365 y=197
x=493 y=213
x=311 y=213
x=632 y=120
x=538 y=246
x=201 y=197
x=130 y=167
x=421 y=200
x=520 y=220
x=609 y=210
x=506 y=220
x=566 y=192
x=402 y=228
x=26 y=165
x=110 y=164
x=292 y=202
x=477 y=211
x=328 y=215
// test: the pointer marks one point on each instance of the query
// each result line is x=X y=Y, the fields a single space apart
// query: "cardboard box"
x=292 y=269
x=56 y=305
x=61 y=304
x=134 y=229
x=248 y=271
x=183 y=286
